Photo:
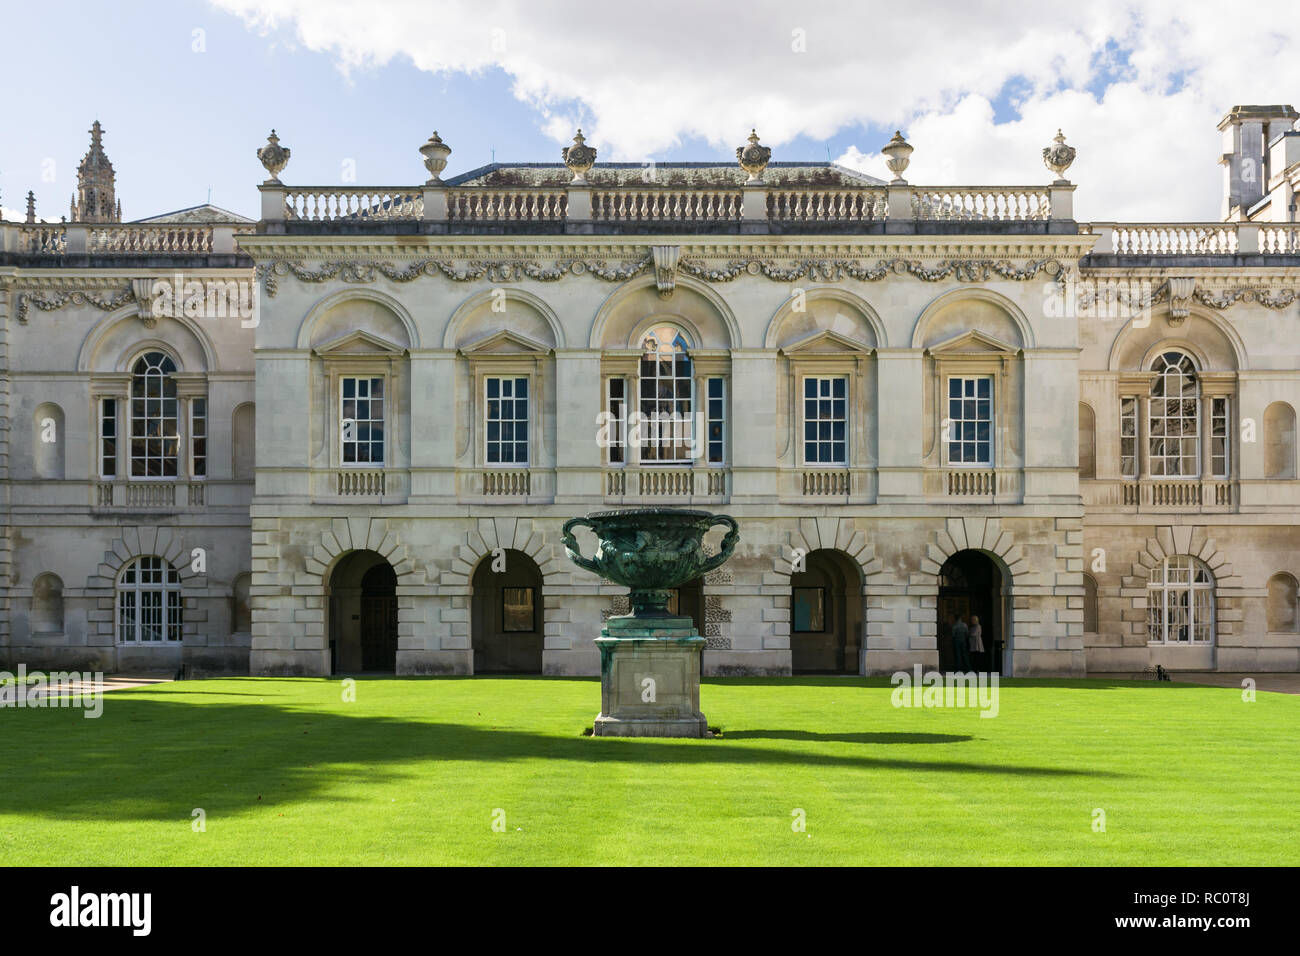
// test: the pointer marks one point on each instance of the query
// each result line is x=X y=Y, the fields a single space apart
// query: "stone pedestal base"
x=650 y=678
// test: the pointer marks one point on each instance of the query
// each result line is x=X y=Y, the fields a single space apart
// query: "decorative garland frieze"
x=357 y=271
x=820 y=270
x=57 y=300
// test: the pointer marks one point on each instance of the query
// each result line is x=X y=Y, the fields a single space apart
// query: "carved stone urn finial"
x=274 y=157
x=1059 y=157
x=899 y=153
x=435 y=153
x=579 y=157
x=753 y=158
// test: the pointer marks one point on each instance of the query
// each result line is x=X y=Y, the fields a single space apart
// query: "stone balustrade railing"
x=665 y=483
x=1161 y=494
x=981 y=203
x=356 y=481
x=1280 y=239
x=506 y=205
x=827 y=205
x=666 y=205
x=122 y=238
x=353 y=203
x=1194 y=238
x=43 y=239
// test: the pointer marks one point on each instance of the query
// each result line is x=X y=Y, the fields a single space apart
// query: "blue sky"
x=184 y=111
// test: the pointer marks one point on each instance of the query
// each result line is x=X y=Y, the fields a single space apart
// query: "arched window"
x=1283 y=606
x=148 y=602
x=1279 y=441
x=47 y=604
x=155 y=437
x=1090 y=615
x=667 y=398
x=1180 y=602
x=1174 y=416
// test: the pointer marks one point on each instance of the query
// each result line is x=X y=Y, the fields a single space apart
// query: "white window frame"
x=195 y=436
x=528 y=420
x=1197 y=424
x=182 y=440
x=720 y=420
x=616 y=423
x=803 y=418
x=1227 y=435
x=115 y=420
x=1158 y=595
x=644 y=422
x=946 y=415
x=370 y=377
x=172 y=612
x=1132 y=415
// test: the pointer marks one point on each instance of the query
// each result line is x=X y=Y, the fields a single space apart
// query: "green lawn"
x=412 y=772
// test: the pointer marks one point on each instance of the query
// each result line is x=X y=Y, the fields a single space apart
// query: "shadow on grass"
x=235 y=757
x=811 y=736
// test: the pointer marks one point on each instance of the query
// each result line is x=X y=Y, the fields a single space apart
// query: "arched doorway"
x=825 y=615
x=506 y=615
x=363 y=614
x=971 y=585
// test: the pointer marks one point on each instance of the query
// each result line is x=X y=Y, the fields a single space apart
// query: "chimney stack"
x=1247 y=132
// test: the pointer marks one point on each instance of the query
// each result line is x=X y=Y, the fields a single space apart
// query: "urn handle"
x=728 y=542
x=571 y=544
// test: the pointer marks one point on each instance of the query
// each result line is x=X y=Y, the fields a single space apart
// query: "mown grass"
x=416 y=771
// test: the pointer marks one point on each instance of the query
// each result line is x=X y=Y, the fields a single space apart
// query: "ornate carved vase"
x=435 y=153
x=1058 y=158
x=753 y=158
x=579 y=157
x=274 y=157
x=650 y=659
x=650 y=551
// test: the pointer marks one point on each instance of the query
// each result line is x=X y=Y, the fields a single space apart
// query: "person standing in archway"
x=961 y=644
x=977 y=641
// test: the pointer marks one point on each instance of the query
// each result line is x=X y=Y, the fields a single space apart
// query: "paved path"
x=111 y=682
x=1277 y=683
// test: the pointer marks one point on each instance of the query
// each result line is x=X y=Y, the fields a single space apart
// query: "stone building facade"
x=344 y=438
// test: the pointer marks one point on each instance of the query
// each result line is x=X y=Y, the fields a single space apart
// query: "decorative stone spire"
x=579 y=157
x=1059 y=157
x=274 y=157
x=753 y=158
x=899 y=153
x=95 y=183
x=31 y=206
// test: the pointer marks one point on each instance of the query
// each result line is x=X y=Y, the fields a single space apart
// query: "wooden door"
x=379 y=633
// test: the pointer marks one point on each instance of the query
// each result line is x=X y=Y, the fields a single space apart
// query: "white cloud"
x=643 y=77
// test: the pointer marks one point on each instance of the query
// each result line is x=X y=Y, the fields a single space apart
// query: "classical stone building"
x=919 y=402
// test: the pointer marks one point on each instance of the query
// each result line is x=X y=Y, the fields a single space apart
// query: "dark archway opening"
x=970 y=586
x=363 y=615
x=506 y=615
x=688 y=601
x=825 y=615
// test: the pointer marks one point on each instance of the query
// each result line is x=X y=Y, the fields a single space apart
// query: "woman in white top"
x=976 y=638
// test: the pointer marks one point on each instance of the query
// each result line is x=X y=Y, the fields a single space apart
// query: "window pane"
x=517 y=609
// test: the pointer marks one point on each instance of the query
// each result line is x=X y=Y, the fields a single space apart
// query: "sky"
x=188 y=89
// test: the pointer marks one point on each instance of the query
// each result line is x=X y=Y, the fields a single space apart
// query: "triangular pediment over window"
x=823 y=342
x=974 y=342
x=359 y=342
x=506 y=342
